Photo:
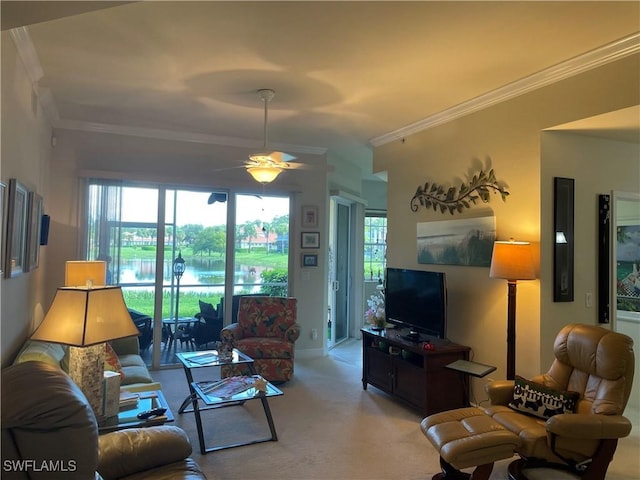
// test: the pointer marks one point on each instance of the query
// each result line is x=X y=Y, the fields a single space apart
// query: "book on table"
x=128 y=399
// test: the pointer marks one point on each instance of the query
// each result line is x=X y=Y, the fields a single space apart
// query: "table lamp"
x=85 y=318
x=79 y=272
x=512 y=261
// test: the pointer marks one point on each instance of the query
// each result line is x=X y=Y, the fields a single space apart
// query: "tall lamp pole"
x=512 y=261
x=178 y=270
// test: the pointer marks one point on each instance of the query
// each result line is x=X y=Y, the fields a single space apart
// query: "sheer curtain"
x=103 y=223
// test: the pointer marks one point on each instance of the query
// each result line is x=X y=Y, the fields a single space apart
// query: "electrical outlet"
x=314 y=334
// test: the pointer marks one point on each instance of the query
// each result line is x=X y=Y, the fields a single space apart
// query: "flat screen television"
x=417 y=299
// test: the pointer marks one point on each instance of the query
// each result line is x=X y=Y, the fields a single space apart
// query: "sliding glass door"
x=141 y=230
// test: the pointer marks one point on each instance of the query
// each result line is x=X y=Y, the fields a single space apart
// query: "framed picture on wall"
x=310 y=240
x=3 y=216
x=15 y=249
x=33 y=231
x=309 y=260
x=309 y=216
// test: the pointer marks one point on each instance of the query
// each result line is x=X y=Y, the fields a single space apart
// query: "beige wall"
x=598 y=167
x=25 y=155
x=507 y=138
x=53 y=172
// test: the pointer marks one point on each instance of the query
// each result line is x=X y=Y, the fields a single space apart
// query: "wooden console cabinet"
x=418 y=377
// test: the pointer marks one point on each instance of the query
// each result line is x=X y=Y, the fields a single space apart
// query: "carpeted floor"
x=329 y=428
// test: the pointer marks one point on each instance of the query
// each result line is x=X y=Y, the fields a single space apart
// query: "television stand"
x=412 y=373
x=412 y=336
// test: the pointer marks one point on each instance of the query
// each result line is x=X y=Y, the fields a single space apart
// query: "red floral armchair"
x=266 y=331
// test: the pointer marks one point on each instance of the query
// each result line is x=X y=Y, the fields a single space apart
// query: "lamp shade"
x=78 y=272
x=81 y=317
x=512 y=261
x=264 y=174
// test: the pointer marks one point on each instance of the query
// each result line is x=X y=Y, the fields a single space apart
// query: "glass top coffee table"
x=207 y=359
x=232 y=391
x=225 y=392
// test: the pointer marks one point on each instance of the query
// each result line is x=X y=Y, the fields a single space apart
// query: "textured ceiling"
x=343 y=72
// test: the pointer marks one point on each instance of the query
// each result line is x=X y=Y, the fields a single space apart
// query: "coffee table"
x=207 y=359
x=200 y=392
x=207 y=392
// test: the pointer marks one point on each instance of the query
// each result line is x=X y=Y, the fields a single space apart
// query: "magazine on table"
x=228 y=387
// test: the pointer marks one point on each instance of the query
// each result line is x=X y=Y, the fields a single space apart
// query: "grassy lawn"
x=142 y=300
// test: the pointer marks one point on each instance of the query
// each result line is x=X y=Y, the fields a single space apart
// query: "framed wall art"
x=309 y=260
x=15 y=249
x=563 y=241
x=33 y=231
x=310 y=240
x=466 y=242
x=309 y=216
x=3 y=216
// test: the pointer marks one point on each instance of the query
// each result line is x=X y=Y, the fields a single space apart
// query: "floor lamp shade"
x=85 y=318
x=78 y=272
x=512 y=261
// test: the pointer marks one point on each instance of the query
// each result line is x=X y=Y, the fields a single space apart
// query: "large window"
x=375 y=246
x=123 y=228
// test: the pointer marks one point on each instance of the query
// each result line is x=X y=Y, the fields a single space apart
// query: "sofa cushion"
x=540 y=401
x=135 y=370
x=50 y=353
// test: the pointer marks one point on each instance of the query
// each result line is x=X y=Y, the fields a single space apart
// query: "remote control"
x=154 y=412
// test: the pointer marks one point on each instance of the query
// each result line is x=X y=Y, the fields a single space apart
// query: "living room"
x=521 y=138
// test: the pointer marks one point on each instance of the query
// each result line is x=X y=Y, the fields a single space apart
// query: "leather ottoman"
x=467 y=437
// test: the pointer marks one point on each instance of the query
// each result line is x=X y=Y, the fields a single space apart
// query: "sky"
x=194 y=209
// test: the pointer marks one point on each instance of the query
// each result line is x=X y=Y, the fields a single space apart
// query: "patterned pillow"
x=544 y=402
x=112 y=362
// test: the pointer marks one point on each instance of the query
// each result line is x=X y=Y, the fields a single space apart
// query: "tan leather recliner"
x=599 y=365
x=50 y=432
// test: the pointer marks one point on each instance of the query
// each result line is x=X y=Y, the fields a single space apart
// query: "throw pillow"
x=112 y=362
x=544 y=402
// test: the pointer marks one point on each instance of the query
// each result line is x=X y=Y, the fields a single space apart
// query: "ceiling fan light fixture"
x=264 y=174
x=260 y=158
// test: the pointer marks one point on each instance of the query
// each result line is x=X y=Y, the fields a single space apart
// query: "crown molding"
x=181 y=136
x=595 y=58
x=27 y=53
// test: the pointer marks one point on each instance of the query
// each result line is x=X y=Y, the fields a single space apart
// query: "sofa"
x=49 y=432
x=123 y=356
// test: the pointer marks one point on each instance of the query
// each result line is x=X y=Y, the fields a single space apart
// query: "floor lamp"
x=512 y=261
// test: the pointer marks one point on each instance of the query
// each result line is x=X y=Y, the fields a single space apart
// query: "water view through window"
x=123 y=228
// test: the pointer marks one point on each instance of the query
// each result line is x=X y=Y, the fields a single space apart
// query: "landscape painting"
x=467 y=242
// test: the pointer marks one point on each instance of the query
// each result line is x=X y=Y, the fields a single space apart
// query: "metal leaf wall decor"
x=455 y=200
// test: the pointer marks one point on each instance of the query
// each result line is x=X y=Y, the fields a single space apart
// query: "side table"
x=128 y=418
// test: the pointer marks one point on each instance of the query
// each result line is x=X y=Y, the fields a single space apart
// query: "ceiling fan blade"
x=279 y=157
x=231 y=167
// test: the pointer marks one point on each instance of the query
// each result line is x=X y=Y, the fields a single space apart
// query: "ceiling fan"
x=262 y=166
